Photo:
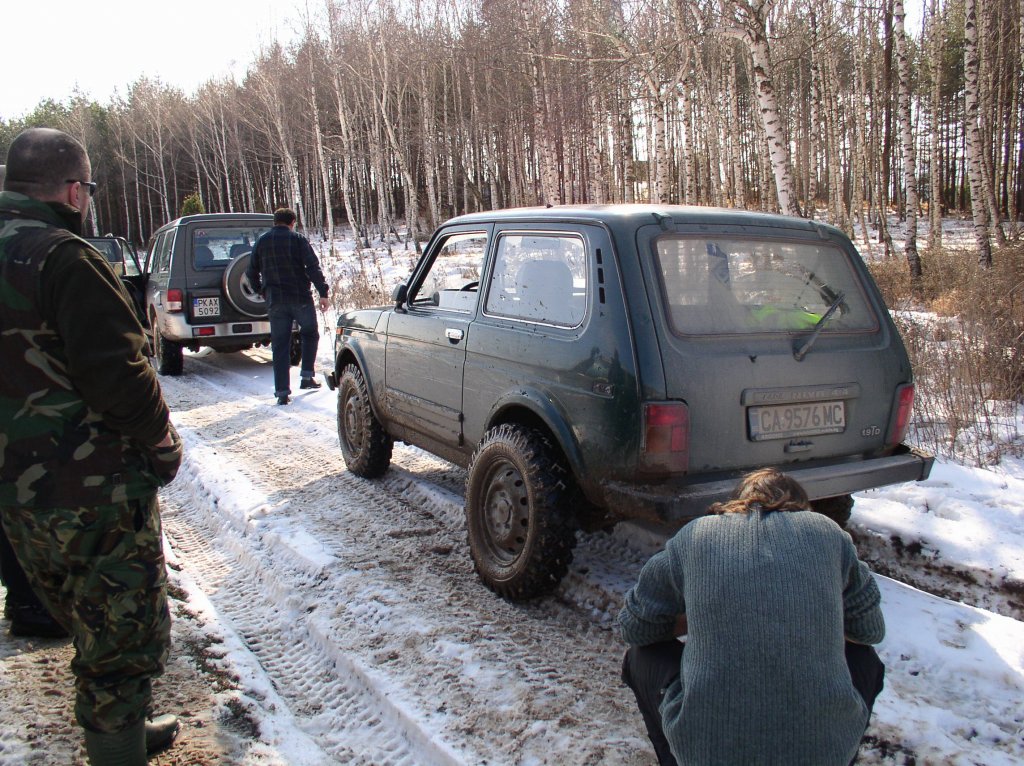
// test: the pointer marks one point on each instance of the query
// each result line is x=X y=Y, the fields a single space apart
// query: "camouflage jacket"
x=79 y=403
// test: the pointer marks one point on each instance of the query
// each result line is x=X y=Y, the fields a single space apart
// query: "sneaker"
x=309 y=383
x=283 y=399
x=33 y=621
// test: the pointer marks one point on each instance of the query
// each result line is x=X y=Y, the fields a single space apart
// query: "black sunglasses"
x=90 y=185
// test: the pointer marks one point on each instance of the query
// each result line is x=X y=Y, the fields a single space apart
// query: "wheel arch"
x=532 y=408
x=353 y=353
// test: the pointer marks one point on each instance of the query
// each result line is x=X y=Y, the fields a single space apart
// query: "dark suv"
x=196 y=292
x=593 y=364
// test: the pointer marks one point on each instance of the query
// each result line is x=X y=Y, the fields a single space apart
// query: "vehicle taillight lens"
x=666 y=444
x=174 y=300
x=903 y=409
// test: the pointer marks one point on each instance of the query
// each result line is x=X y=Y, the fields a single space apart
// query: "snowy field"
x=325 y=619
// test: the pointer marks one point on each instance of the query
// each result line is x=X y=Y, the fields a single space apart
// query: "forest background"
x=414 y=111
x=384 y=117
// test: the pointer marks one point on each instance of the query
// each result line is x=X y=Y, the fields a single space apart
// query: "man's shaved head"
x=40 y=162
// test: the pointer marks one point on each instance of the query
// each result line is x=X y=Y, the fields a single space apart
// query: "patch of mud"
x=917 y=564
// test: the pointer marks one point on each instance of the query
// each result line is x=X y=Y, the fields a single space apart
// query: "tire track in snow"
x=332 y=700
x=513 y=682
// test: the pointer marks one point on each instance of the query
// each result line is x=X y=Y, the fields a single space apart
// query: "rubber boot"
x=160 y=732
x=120 y=748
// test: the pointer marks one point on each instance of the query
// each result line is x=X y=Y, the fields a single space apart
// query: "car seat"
x=203 y=256
x=544 y=289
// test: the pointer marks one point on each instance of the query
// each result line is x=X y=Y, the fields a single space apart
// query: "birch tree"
x=907 y=137
x=974 y=167
x=749 y=22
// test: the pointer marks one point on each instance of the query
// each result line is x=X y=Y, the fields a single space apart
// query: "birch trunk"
x=907 y=138
x=753 y=31
x=935 y=176
x=974 y=159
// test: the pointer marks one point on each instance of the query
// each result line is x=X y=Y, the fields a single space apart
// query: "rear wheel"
x=518 y=499
x=167 y=355
x=365 y=444
x=836 y=508
x=295 y=350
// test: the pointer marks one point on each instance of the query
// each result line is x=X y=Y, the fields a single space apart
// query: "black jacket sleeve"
x=312 y=266
x=85 y=301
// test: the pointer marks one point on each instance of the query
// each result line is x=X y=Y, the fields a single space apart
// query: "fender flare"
x=544 y=408
x=353 y=353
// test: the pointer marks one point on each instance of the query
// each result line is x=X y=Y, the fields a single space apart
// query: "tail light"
x=174 y=300
x=666 y=446
x=903 y=408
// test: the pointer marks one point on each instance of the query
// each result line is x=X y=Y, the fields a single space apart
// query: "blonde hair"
x=767 y=490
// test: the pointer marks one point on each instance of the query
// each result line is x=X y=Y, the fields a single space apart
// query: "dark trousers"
x=19 y=591
x=649 y=670
x=282 y=315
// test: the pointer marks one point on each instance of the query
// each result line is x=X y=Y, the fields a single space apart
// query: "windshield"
x=745 y=286
x=215 y=246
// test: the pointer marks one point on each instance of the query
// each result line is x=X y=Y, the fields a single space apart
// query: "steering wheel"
x=469 y=286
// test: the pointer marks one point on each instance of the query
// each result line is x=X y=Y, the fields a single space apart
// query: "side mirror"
x=399 y=294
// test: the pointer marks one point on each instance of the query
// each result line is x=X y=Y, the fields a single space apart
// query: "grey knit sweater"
x=769 y=598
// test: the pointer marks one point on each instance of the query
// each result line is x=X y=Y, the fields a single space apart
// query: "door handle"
x=454 y=335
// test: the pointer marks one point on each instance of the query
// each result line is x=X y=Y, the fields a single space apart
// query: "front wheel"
x=365 y=445
x=518 y=499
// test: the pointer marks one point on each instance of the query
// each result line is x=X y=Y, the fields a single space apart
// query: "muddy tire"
x=836 y=508
x=167 y=355
x=295 y=350
x=365 y=444
x=519 y=497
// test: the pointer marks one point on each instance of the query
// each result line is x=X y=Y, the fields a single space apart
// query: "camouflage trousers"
x=100 y=572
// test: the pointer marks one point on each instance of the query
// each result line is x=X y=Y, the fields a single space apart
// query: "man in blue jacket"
x=283 y=267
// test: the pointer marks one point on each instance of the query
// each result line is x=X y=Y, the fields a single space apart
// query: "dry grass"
x=964 y=331
x=361 y=283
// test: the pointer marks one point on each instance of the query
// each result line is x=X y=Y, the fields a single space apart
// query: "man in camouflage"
x=85 y=441
x=22 y=606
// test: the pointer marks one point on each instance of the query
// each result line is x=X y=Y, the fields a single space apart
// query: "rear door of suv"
x=553 y=337
x=157 y=270
x=777 y=341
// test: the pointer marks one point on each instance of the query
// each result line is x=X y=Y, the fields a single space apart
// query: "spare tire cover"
x=240 y=293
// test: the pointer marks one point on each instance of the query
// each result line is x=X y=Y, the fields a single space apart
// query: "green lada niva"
x=591 y=364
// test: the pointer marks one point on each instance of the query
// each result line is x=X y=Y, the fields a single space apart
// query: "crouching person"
x=778 y=614
x=85 y=441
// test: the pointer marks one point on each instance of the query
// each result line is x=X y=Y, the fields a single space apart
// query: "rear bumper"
x=674 y=503
x=178 y=328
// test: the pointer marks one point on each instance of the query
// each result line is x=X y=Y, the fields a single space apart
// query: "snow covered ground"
x=322 y=619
